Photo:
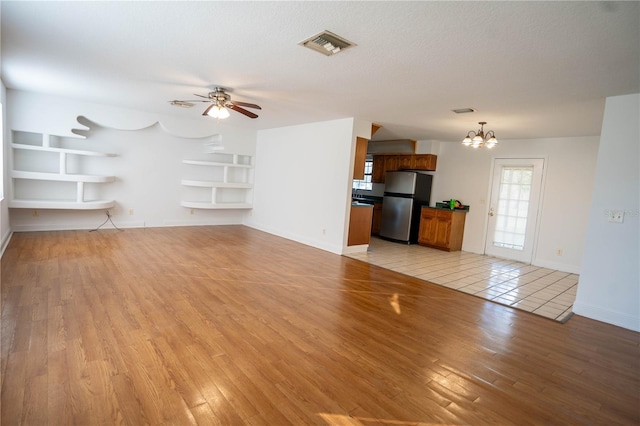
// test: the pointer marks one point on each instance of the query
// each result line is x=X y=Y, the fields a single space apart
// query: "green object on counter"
x=452 y=204
x=447 y=206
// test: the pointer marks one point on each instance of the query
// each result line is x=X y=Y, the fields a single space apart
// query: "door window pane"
x=513 y=207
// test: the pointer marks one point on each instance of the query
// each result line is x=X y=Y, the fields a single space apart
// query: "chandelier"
x=479 y=139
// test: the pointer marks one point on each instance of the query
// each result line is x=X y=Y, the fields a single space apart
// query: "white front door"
x=513 y=208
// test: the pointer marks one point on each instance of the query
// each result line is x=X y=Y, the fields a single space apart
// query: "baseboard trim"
x=608 y=316
x=76 y=227
x=5 y=241
x=361 y=248
x=563 y=267
x=302 y=240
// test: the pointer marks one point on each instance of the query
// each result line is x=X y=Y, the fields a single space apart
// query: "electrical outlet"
x=559 y=252
x=192 y=212
x=35 y=213
x=324 y=231
x=616 y=216
x=130 y=211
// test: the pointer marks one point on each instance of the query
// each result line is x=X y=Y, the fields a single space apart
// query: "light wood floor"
x=229 y=325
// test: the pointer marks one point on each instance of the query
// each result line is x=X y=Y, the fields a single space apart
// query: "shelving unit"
x=229 y=180
x=55 y=170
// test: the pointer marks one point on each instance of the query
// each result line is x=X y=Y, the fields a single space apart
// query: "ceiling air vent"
x=327 y=43
x=463 y=110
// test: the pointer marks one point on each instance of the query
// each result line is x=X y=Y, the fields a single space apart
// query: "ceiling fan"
x=220 y=100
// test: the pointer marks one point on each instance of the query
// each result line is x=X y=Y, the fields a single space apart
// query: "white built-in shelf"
x=208 y=184
x=212 y=206
x=42 y=142
x=61 y=204
x=215 y=164
x=229 y=181
x=61 y=177
x=61 y=150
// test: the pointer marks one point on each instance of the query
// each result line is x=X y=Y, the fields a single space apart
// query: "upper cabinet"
x=424 y=162
x=391 y=162
x=361 y=153
x=360 y=158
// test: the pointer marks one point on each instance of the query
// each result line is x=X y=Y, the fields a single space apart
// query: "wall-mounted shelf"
x=61 y=177
x=216 y=164
x=215 y=206
x=61 y=150
x=61 y=205
x=204 y=184
x=229 y=179
x=51 y=168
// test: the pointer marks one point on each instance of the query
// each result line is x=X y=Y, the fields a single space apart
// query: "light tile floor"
x=541 y=291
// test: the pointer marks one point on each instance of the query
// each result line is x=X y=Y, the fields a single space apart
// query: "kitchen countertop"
x=358 y=204
x=464 y=209
x=366 y=199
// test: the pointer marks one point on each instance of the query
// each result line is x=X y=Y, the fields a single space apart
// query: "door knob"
x=491 y=212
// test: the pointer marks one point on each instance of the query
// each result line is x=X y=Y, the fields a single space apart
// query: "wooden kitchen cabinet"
x=441 y=229
x=381 y=165
x=424 y=162
x=384 y=163
x=361 y=153
x=390 y=163
x=360 y=158
x=377 y=170
x=360 y=224
x=404 y=162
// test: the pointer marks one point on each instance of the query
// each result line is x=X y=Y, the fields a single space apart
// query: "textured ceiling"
x=531 y=69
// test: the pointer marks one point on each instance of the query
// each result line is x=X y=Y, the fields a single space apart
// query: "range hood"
x=396 y=146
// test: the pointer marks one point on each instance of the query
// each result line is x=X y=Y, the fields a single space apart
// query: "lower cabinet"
x=360 y=224
x=441 y=229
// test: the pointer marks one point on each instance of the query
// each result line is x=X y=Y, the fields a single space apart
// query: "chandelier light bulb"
x=492 y=142
x=480 y=138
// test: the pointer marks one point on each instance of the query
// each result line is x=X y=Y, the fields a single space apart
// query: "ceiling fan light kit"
x=221 y=103
x=216 y=111
x=480 y=138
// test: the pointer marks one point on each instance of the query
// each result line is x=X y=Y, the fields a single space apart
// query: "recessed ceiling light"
x=327 y=43
x=463 y=110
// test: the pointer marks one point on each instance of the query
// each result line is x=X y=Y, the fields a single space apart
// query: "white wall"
x=5 y=228
x=303 y=182
x=609 y=288
x=464 y=174
x=148 y=166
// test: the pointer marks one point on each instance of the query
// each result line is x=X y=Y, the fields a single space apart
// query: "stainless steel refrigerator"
x=405 y=193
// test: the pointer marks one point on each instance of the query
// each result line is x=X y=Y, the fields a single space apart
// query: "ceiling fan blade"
x=202 y=96
x=244 y=104
x=242 y=111
x=208 y=109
